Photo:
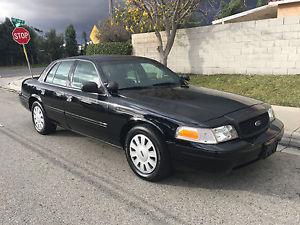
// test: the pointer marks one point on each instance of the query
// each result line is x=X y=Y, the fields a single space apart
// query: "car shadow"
x=278 y=175
x=65 y=133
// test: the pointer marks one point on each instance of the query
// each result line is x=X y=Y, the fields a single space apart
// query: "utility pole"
x=111 y=9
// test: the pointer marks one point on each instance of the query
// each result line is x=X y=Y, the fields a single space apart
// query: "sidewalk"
x=12 y=83
x=290 y=116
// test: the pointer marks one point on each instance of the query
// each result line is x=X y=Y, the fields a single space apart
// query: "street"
x=65 y=178
x=19 y=71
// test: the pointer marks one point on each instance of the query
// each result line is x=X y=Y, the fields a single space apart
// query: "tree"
x=132 y=18
x=232 y=7
x=42 y=56
x=261 y=3
x=85 y=42
x=53 y=45
x=71 y=43
x=40 y=49
x=9 y=50
x=162 y=16
x=32 y=47
x=84 y=37
x=11 y=53
x=110 y=31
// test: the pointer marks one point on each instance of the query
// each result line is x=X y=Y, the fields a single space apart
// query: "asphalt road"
x=65 y=178
x=17 y=71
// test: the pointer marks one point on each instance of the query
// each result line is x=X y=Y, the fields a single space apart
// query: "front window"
x=138 y=74
x=84 y=72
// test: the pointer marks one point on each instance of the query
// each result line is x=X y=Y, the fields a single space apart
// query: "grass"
x=275 y=90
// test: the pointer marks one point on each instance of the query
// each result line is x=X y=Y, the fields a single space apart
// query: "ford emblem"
x=257 y=123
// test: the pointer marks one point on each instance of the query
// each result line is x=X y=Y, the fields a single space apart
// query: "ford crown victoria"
x=155 y=115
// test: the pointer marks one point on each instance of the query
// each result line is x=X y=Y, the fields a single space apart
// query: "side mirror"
x=185 y=77
x=90 y=87
x=113 y=87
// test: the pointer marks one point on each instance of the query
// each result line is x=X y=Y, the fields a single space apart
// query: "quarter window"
x=61 y=75
x=51 y=74
x=84 y=72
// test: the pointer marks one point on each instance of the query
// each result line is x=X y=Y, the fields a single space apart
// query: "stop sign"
x=21 y=35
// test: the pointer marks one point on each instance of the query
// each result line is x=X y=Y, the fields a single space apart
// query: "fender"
x=136 y=120
x=133 y=121
x=36 y=96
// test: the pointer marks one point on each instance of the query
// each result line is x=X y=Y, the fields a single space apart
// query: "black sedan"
x=142 y=106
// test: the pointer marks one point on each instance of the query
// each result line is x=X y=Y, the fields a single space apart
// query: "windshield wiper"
x=144 y=87
x=165 y=84
x=134 y=88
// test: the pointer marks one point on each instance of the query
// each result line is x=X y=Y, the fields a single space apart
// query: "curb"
x=13 y=85
x=291 y=139
x=9 y=88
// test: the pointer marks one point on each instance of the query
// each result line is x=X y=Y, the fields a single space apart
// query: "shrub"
x=112 y=32
x=110 y=48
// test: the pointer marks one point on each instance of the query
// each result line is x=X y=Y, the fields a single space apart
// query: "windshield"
x=138 y=74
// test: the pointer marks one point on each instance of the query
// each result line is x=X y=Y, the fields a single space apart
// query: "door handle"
x=43 y=91
x=69 y=98
x=59 y=94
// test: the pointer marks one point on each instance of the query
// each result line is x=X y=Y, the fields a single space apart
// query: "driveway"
x=65 y=178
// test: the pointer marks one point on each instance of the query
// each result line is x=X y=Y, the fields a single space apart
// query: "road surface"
x=65 y=178
x=17 y=71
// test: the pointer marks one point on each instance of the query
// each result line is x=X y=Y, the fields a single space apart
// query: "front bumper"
x=228 y=155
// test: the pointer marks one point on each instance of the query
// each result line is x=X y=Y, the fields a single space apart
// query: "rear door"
x=55 y=88
x=86 y=112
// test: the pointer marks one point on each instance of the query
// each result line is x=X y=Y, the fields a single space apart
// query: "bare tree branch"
x=166 y=15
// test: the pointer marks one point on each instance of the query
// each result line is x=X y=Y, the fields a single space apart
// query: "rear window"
x=62 y=72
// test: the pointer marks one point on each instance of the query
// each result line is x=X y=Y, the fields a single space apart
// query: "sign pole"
x=28 y=63
x=22 y=37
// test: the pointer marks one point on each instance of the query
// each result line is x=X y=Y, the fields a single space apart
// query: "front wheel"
x=147 y=154
x=40 y=121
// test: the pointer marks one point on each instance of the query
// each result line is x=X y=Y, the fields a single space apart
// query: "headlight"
x=271 y=114
x=207 y=135
x=225 y=133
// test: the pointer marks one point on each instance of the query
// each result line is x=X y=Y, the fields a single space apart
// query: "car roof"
x=105 y=58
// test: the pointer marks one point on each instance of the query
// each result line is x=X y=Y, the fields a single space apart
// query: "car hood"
x=191 y=104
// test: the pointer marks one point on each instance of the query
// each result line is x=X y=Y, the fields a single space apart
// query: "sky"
x=58 y=14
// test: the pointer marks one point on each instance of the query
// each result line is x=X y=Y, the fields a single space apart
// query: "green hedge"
x=110 y=48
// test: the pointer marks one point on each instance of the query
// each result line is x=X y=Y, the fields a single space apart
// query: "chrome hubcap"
x=143 y=153
x=38 y=118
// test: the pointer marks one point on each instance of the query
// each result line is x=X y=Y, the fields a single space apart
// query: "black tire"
x=47 y=127
x=162 y=168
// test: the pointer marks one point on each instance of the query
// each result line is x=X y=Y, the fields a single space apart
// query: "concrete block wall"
x=256 y=47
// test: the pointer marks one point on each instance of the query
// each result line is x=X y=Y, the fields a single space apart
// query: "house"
x=274 y=9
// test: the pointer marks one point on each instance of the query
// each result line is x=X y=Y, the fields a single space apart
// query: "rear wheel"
x=40 y=121
x=147 y=154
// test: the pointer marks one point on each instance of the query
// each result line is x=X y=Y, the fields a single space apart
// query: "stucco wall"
x=256 y=47
x=291 y=9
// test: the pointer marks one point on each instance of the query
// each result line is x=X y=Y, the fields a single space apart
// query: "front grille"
x=251 y=126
